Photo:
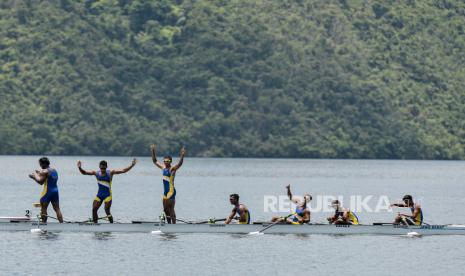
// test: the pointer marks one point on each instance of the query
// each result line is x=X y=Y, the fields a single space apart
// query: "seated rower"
x=416 y=218
x=239 y=209
x=342 y=215
x=302 y=212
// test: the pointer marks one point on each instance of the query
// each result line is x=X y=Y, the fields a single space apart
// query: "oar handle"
x=213 y=220
x=276 y=222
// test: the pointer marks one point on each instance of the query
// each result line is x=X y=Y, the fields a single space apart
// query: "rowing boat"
x=148 y=227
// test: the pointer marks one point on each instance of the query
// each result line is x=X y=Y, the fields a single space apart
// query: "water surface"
x=203 y=186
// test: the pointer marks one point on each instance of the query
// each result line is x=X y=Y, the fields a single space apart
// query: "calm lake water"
x=203 y=186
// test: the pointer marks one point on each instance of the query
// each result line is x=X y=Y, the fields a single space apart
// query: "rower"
x=302 y=212
x=416 y=218
x=104 y=179
x=169 y=172
x=240 y=209
x=342 y=215
x=48 y=177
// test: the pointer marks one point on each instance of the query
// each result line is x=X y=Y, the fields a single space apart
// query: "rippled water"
x=203 y=186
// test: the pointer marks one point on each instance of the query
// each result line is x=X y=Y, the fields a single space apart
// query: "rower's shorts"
x=50 y=196
x=168 y=195
x=103 y=196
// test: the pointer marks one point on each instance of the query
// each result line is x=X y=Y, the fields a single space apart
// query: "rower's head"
x=307 y=198
x=335 y=204
x=103 y=165
x=167 y=160
x=44 y=162
x=408 y=199
x=234 y=199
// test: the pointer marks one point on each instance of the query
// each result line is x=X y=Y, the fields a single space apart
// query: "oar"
x=271 y=225
x=92 y=220
x=56 y=218
x=213 y=220
x=383 y=223
x=181 y=220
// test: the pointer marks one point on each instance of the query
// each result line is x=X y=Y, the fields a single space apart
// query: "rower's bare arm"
x=153 y=150
x=345 y=215
x=398 y=205
x=332 y=219
x=125 y=170
x=416 y=211
x=307 y=216
x=39 y=176
x=231 y=216
x=181 y=160
x=243 y=212
x=291 y=197
x=84 y=172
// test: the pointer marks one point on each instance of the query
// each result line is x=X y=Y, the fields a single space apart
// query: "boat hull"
x=236 y=228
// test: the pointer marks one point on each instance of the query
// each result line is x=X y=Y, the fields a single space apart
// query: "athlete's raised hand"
x=183 y=151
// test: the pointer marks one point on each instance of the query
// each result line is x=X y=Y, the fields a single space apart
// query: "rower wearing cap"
x=416 y=218
x=239 y=209
x=302 y=212
x=342 y=215
x=104 y=180
x=48 y=177
x=169 y=172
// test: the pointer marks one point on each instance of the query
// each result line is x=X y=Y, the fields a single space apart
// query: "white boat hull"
x=236 y=228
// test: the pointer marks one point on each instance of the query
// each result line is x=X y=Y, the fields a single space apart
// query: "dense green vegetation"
x=274 y=78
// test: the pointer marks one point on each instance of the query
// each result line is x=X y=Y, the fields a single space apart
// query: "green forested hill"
x=274 y=78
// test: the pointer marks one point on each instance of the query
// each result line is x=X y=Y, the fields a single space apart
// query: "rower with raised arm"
x=104 y=180
x=302 y=212
x=416 y=218
x=239 y=209
x=342 y=215
x=48 y=177
x=169 y=172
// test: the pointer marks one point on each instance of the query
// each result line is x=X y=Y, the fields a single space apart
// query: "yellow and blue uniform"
x=247 y=215
x=352 y=216
x=299 y=211
x=104 y=186
x=418 y=220
x=169 y=192
x=50 y=191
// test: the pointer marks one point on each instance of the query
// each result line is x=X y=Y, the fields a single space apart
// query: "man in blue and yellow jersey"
x=342 y=215
x=243 y=214
x=48 y=177
x=416 y=218
x=169 y=172
x=302 y=212
x=104 y=179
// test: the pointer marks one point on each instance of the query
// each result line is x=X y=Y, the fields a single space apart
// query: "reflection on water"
x=303 y=237
x=47 y=235
x=103 y=236
x=168 y=237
